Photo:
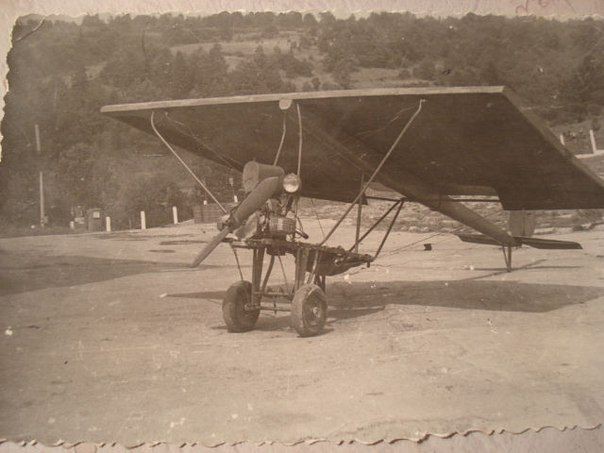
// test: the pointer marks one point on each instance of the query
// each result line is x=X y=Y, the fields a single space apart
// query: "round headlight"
x=291 y=183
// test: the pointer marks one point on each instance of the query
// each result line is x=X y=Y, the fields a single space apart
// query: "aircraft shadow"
x=463 y=294
x=358 y=299
x=535 y=265
x=31 y=272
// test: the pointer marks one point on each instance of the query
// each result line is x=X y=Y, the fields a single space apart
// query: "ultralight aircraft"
x=434 y=146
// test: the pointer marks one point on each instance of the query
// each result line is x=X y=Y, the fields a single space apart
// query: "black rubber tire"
x=236 y=318
x=309 y=310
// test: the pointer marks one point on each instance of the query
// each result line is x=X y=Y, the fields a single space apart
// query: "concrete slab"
x=111 y=337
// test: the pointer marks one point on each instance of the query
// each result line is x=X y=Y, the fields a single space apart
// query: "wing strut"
x=411 y=186
x=398 y=204
x=375 y=172
x=184 y=164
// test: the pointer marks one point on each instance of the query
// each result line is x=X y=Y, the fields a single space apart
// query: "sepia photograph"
x=265 y=227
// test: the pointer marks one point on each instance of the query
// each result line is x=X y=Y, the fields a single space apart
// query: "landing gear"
x=309 y=310
x=507 y=256
x=305 y=295
x=238 y=314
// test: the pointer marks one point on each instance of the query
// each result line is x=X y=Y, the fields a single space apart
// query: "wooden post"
x=143 y=221
x=232 y=184
x=592 y=139
x=175 y=214
x=41 y=178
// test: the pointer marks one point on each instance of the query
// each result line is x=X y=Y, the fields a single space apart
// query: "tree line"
x=61 y=74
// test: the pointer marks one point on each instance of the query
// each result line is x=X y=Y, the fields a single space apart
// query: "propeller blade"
x=210 y=246
x=249 y=227
x=252 y=203
x=256 y=199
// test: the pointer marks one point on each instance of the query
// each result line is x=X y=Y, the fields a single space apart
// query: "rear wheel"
x=236 y=317
x=309 y=310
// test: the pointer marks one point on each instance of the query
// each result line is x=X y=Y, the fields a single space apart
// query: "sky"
x=341 y=8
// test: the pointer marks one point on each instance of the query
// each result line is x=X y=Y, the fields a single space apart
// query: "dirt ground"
x=111 y=337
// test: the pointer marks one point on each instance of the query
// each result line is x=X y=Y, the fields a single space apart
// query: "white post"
x=175 y=214
x=232 y=183
x=108 y=224
x=562 y=139
x=143 y=221
x=40 y=177
x=592 y=138
x=71 y=225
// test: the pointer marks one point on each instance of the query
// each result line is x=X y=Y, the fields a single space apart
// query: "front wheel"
x=309 y=310
x=236 y=317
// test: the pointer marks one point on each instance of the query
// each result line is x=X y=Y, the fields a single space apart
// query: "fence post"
x=175 y=214
x=592 y=139
x=143 y=221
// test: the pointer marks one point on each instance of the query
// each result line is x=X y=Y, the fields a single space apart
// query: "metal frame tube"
x=401 y=201
x=359 y=213
x=398 y=211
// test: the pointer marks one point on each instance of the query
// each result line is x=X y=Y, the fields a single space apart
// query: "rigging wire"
x=406 y=246
x=238 y=263
x=282 y=138
x=396 y=116
x=312 y=204
x=376 y=171
x=438 y=233
x=227 y=162
x=203 y=186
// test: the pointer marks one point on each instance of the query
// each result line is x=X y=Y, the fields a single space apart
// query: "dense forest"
x=62 y=72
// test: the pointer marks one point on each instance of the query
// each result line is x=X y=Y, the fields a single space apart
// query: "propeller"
x=266 y=189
